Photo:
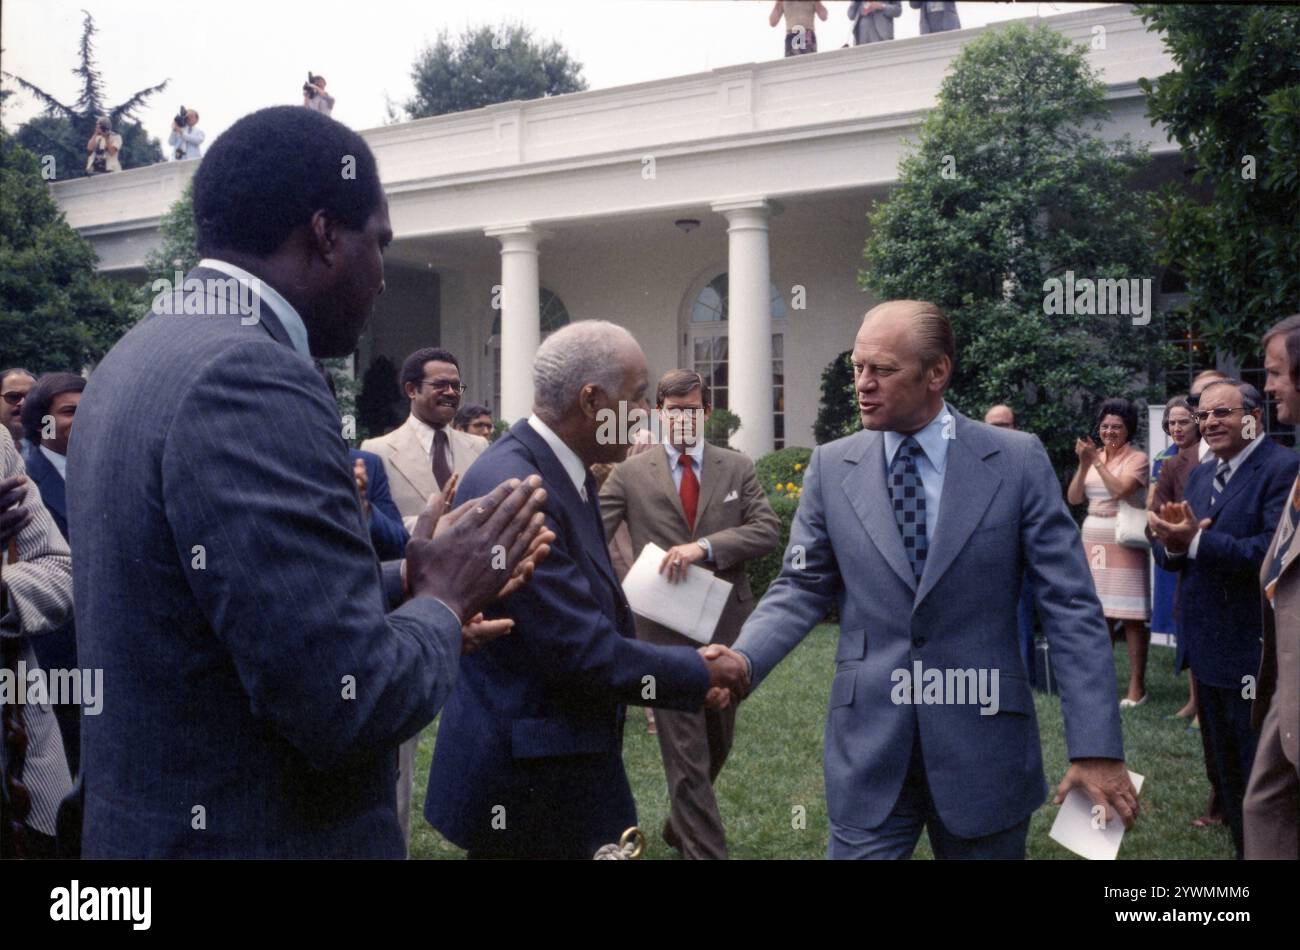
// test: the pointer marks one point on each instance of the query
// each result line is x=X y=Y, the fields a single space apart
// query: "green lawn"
x=776 y=767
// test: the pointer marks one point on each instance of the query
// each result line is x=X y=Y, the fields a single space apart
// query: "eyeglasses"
x=681 y=412
x=1221 y=412
x=451 y=385
x=14 y=397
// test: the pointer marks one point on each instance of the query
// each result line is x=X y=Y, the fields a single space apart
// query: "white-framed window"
x=707 y=350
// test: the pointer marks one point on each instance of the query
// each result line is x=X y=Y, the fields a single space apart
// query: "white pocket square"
x=731 y=496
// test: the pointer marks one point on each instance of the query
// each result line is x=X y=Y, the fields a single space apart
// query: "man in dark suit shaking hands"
x=258 y=684
x=529 y=757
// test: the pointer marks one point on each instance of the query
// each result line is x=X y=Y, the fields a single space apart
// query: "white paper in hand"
x=691 y=607
x=1083 y=831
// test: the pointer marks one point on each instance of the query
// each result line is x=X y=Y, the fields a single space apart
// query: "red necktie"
x=689 y=489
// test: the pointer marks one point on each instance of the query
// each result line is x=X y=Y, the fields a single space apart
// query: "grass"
x=776 y=768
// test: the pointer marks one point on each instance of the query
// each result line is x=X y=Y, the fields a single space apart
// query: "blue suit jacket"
x=1218 y=596
x=1001 y=516
x=528 y=759
x=386 y=531
x=224 y=582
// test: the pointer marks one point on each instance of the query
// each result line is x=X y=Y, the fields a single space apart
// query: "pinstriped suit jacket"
x=255 y=691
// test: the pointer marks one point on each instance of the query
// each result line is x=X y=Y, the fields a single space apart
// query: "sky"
x=229 y=58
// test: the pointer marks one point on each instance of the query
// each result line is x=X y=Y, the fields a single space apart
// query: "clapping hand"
x=1175 y=525
x=1086 y=449
x=13 y=517
x=728 y=676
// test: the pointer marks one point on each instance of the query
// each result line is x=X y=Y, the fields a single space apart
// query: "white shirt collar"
x=60 y=462
x=695 y=451
x=425 y=433
x=288 y=316
x=933 y=439
x=568 y=458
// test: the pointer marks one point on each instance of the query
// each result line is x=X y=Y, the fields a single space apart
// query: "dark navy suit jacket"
x=529 y=752
x=57 y=650
x=256 y=690
x=386 y=531
x=1218 y=594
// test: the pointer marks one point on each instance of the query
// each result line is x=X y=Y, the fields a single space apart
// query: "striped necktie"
x=1220 y=481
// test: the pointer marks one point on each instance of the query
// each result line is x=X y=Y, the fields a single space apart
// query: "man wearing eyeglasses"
x=703 y=505
x=422 y=454
x=420 y=457
x=14 y=386
x=1217 y=537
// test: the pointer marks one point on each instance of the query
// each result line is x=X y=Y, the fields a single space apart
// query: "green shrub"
x=722 y=425
x=778 y=471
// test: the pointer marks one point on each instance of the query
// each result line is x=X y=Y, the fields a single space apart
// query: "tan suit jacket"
x=733 y=513
x=409 y=468
x=1279 y=670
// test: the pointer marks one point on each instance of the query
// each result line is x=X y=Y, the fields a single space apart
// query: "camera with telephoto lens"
x=309 y=87
x=180 y=119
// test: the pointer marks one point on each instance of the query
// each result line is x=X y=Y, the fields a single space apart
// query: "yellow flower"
x=798 y=466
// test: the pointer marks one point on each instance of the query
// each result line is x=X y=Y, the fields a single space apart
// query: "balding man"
x=919 y=529
x=1002 y=416
x=528 y=761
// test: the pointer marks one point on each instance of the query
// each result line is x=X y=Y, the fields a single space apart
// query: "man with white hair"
x=528 y=761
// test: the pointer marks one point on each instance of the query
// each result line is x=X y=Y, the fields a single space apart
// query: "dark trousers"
x=1225 y=720
x=695 y=746
x=895 y=838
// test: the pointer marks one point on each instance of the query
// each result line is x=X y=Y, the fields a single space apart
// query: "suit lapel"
x=863 y=483
x=1282 y=536
x=968 y=487
x=585 y=516
x=712 y=471
x=664 y=478
x=1244 y=474
x=410 y=460
x=42 y=471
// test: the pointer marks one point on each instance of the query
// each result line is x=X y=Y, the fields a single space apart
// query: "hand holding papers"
x=1084 y=828
x=691 y=607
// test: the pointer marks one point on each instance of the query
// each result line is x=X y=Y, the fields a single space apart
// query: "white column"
x=521 y=329
x=749 y=323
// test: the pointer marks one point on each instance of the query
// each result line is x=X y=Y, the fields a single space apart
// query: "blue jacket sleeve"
x=271 y=542
x=386 y=531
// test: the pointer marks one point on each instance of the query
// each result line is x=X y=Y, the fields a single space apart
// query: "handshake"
x=728 y=676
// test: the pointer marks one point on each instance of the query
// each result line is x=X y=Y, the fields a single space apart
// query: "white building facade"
x=719 y=216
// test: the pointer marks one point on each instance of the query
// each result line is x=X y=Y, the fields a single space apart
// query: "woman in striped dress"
x=1106 y=474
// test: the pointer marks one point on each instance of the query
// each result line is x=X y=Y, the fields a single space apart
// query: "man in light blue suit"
x=920 y=529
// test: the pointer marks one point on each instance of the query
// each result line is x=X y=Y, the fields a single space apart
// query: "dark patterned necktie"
x=441 y=467
x=908 y=495
x=1220 y=482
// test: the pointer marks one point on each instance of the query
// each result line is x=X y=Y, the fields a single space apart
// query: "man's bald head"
x=1002 y=416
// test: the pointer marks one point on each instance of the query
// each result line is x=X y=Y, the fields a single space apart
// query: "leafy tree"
x=485 y=66
x=837 y=414
x=56 y=311
x=1233 y=105
x=1010 y=184
x=64 y=129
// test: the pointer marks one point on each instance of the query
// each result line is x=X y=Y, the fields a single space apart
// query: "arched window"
x=553 y=316
x=706 y=347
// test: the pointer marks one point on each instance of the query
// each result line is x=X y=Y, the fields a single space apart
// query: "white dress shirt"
x=60 y=462
x=568 y=458
x=933 y=461
x=288 y=316
x=426 y=434
x=696 y=452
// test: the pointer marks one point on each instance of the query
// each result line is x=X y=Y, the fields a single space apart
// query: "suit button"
x=918 y=641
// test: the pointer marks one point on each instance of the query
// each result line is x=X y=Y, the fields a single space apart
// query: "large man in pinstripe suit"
x=257 y=690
